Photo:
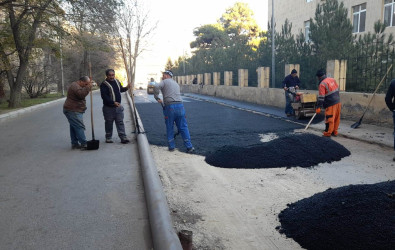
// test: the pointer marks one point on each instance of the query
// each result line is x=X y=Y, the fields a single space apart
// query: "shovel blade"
x=92 y=145
x=357 y=124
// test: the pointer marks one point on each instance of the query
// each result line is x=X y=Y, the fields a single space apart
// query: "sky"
x=176 y=22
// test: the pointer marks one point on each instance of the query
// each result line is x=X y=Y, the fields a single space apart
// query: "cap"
x=294 y=71
x=320 y=73
x=168 y=72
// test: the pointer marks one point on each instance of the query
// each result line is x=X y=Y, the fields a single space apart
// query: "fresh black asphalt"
x=231 y=138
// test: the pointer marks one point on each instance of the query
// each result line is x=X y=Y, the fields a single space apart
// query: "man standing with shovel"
x=74 y=108
x=329 y=98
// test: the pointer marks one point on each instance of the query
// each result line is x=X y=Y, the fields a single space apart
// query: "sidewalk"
x=382 y=136
x=54 y=197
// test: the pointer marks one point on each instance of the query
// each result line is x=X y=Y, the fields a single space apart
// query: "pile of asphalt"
x=350 y=217
x=292 y=150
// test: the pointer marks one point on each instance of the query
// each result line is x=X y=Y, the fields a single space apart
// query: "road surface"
x=53 y=197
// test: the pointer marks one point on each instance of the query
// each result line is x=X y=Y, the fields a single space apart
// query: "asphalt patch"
x=350 y=217
x=293 y=150
x=213 y=126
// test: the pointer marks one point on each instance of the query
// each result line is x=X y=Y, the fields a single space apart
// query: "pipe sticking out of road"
x=163 y=235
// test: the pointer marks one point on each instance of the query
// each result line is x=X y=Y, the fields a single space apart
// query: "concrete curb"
x=18 y=112
x=163 y=235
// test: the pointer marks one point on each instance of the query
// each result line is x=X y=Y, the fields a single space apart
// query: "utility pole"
x=61 y=60
x=61 y=65
x=184 y=60
x=273 y=50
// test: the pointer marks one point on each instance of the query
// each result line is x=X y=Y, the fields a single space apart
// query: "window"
x=307 y=30
x=308 y=1
x=359 y=18
x=389 y=13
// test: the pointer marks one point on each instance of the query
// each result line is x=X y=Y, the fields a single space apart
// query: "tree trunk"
x=2 y=92
x=16 y=87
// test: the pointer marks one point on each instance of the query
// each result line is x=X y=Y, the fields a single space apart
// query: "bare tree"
x=135 y=28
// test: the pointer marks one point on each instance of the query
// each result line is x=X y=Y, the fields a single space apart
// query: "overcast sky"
x=177 y=19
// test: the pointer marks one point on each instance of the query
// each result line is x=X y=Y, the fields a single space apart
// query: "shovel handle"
x=312 y=118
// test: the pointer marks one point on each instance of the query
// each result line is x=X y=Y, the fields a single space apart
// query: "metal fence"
x=367 y=65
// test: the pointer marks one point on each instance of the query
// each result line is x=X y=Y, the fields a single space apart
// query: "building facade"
x=362 y=13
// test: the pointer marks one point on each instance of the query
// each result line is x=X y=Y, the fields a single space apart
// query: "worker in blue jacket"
x=290 y=83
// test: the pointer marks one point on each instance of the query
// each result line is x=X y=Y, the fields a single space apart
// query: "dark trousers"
x=112 y=114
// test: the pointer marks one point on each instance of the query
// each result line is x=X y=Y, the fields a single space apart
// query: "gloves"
x=318 y=110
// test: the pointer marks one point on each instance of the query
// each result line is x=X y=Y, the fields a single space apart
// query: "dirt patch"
x=295 y=150
x=350 y=217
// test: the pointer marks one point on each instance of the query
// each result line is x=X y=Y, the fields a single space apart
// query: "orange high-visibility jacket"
x=328 y=93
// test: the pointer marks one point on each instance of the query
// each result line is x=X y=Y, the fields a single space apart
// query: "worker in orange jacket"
x=329 y=98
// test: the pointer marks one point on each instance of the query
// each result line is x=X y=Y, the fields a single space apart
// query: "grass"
x=27 y=102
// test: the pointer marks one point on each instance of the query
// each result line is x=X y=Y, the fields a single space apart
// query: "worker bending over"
x=173 y=110
x=329 y=98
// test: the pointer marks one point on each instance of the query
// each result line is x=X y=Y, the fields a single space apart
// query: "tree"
x=229 y=44
x=331 y=31
x=238 y=21
x=135 y=28
x=24 y=19
x=169 y=64
x=210 y=36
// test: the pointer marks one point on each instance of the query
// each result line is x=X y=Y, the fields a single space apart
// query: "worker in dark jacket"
x=290 y=84
x=390 y=101
x=110 y=90
x=329 y=98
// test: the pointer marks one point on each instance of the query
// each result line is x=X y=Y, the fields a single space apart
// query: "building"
x=362 y=13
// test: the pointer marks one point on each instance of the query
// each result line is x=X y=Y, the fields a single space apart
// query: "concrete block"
x=228 y=78
x=263 y=77
x=290 y=67
x=243 y=77
x=216 y=78
x=207 y=78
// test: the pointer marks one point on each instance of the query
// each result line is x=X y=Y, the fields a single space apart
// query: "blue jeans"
x=175 y=113
x=112 y=114
x=288 y=106
x=77 y=127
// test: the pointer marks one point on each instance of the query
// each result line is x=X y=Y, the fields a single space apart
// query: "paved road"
x=212 y=126
x=53 y=197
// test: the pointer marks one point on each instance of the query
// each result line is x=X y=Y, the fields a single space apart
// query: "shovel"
x=312 y=118
x=93 y=144
x=358 y=123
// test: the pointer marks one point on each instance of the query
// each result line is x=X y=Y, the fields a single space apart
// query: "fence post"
x=263 y=77
x=216 y=78
x=243 y=77
x=207 y=78
x=228 y=75
x=337 y=69
x=200 y=78
x=290 y=67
